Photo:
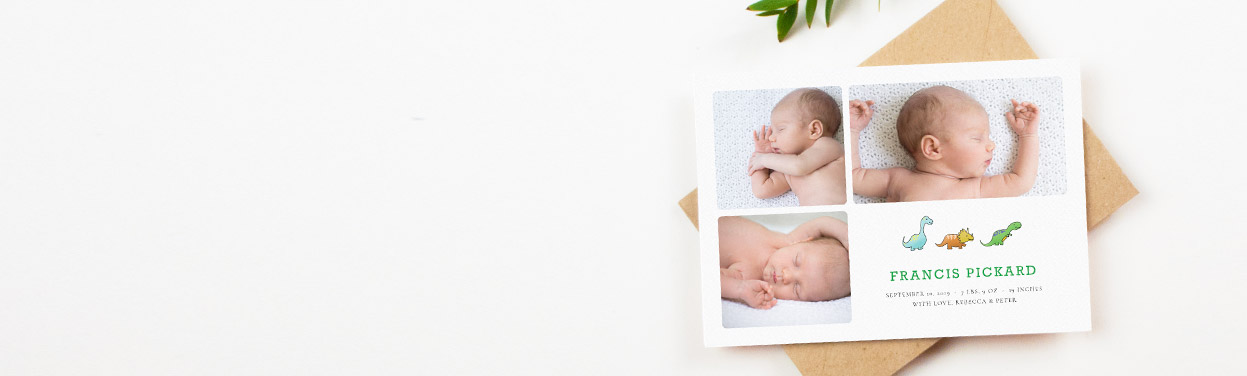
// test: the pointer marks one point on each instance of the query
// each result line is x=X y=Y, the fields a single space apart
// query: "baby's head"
x=814 y=270
x=945 y=129
x=801 y=117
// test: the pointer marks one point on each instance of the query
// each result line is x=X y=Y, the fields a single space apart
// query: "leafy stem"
x=787 y=12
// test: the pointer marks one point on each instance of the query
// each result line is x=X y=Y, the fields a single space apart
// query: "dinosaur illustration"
x=957 y=240
x=998 y=237
x=919 y=240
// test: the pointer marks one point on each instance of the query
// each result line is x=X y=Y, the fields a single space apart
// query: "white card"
x=1016 y=187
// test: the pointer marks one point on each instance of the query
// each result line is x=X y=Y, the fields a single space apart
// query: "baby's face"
x=966 y=140
x=790 y=135
x=800 y=272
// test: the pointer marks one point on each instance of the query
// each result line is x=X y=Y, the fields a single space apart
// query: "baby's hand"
x=762 y=140
x=756 y=162
x=753 y=163
x=757 y=294
x=1024 y=119
x=860 y=114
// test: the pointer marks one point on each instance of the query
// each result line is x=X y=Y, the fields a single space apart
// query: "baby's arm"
x=866 y=182
x=755 y=293
x=821 y=227
x=824 y=150
x=1024 y=119
x=765 y=183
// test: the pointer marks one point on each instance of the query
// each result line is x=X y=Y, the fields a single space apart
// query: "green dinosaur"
x=998 y=237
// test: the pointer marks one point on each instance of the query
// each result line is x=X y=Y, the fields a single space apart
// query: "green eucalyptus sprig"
x=787 y=12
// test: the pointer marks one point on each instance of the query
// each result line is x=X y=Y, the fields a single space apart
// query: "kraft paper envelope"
x=956 y=31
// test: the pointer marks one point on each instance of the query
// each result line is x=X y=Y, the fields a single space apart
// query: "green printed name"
x=971 y=272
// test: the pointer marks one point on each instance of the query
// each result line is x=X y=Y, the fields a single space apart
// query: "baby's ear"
x=816 y=129
x=929 y=146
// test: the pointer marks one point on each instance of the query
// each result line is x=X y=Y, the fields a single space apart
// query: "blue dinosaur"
x=919 y=240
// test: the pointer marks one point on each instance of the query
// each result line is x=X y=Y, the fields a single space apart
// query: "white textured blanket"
x=787 y=312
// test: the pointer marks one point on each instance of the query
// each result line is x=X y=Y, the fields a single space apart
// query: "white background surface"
x=235 y=187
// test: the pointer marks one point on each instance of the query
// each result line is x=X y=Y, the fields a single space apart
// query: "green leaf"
x=771 y=12
x=827 y=12
x=810 y=7
x=785 y=21
x=770 y=5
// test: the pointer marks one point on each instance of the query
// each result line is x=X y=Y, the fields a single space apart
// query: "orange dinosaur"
x=956 y=240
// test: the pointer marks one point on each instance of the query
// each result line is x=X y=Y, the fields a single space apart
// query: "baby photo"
x=779 y=147
x=928 y=141
x=787 y=269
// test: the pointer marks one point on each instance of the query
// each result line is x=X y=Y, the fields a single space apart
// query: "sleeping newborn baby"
x=947 y=133
x=758 y=266
x=798 y=151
